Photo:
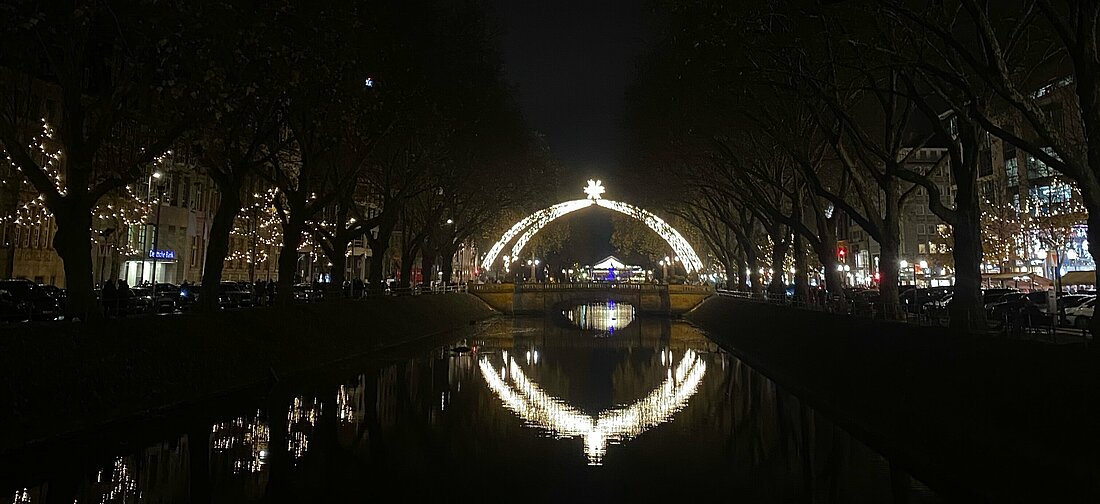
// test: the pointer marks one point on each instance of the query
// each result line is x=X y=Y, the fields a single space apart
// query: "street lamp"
x=156 y=235
x=533 y=263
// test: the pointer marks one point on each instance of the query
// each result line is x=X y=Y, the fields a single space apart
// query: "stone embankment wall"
x=65 y=378
x=979 y=419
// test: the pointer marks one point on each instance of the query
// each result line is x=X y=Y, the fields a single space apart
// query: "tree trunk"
x=779 y=256
x=447 y=266
x=339 y=260
x=801 y=283
x=826 y=250
x=288 y=258
x=730 y=267
x=889 y=245
x=379 y=246
x=889 y=270
x=217 y=247
x=407 y=261
x=754 y=275
x=826 y=254
x=73 y=242
x=427 y=262
x=966 y=309
x=742 y=280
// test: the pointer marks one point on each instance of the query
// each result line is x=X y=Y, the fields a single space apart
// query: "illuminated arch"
x=535 y=222
x=524 y=397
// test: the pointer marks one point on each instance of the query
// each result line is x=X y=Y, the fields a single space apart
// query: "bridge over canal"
x=539 y=298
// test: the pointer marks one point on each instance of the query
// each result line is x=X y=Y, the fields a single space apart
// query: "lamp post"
x=156 y=235
x=664 y=270
x=533 y=263
x=253 y=229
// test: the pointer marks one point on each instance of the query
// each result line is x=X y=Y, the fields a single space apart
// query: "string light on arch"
x=532 y=224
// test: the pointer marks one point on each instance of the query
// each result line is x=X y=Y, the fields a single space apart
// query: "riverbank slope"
x=976 y=419
x=61 y=378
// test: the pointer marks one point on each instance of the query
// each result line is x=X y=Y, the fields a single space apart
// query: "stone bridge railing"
x=534 y=298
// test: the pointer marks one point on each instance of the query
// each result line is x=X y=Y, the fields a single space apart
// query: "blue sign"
x=162 y=254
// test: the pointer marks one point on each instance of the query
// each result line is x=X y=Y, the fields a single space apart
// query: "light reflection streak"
x=22 y=497
x=246 y=438
x=123 y=485
x=301 y=420
x=530 y=402
x=607 y=317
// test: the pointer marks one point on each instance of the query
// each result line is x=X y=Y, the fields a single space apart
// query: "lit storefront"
x=137 y=272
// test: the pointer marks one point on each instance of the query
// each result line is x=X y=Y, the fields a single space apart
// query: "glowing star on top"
x=594 y=189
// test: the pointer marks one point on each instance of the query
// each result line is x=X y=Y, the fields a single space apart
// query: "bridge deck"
x=533 y=298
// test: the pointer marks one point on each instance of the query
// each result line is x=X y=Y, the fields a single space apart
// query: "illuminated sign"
x=162 y=254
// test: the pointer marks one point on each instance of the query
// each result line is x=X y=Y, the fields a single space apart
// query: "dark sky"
x=571 y=61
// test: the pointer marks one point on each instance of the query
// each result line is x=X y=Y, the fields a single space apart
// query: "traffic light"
x=841 y=253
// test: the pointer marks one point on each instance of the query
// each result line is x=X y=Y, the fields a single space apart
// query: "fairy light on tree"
x=258 y=227
x=30 y=207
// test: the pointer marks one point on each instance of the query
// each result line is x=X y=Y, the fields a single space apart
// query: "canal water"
x=593 y=404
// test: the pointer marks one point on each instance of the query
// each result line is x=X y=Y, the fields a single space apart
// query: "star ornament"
x=594 y=189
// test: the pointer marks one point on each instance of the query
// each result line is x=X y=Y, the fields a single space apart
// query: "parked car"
x=306 y=292
x=32 y=299
x=1080 y=315
x=1068 y=301
x=173 y=292
x=55 y=292
x=1012 y=306
x=143 y=300
x=991 y=295
x=189 y=295
x=234 y=295
x=914 y=300
x=10 y=309
x=989 y=300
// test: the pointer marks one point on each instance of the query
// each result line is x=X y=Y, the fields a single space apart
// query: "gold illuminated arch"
x=533 y=223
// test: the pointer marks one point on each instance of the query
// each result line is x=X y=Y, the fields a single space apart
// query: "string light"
x=535 y=222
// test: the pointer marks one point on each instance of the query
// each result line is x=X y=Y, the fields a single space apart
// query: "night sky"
x=571 y=61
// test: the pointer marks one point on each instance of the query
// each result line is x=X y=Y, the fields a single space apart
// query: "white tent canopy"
x=610 y=262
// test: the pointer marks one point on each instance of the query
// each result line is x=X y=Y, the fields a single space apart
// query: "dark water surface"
x=608 y=408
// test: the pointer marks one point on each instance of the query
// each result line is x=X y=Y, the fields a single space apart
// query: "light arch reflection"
x=525 y=398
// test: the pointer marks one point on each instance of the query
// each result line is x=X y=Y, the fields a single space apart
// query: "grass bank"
x=980 y=420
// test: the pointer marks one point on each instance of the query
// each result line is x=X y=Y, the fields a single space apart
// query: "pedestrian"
x=124 y=296
x=110 y=298
x=270 y=293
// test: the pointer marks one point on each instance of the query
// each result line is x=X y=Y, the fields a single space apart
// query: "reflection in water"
x=121 y=485
x=301 y=421
x=555 y=415
x=671 y=402
x=607 y=317
x=245 y=441
x=22 y=496
x=345 y=404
